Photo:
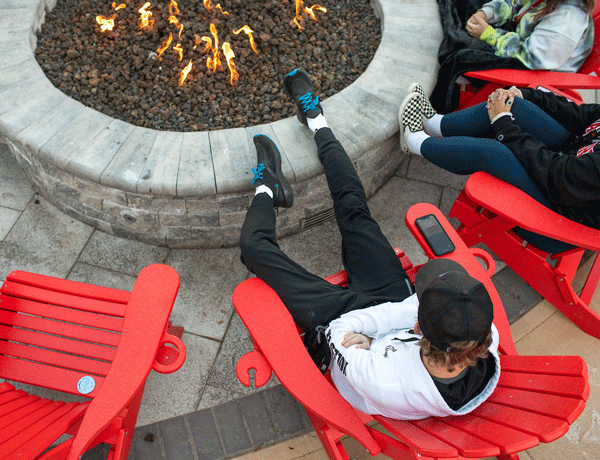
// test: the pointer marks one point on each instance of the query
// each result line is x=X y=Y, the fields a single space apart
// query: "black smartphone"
x=435 y=235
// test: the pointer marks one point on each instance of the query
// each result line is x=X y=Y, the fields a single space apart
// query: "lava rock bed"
x=119 y=74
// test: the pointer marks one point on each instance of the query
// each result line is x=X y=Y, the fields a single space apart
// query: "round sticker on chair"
x=86 y=385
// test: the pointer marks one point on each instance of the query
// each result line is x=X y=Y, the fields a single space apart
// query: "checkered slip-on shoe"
x=426 y=106
x=410 y=116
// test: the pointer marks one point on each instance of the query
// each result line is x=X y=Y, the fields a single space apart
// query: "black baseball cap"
x=453 y=306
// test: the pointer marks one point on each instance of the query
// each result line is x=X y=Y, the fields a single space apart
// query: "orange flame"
x=173 y=20
x=248 y=31
x=106 y=23
x=300 y=8
x=178 y=50
x=145 y=20
x=229 y=55
x=184 y=72
x=208 y=46
x=173 y=9
x=161 y=49
x=213 y=62
x=209 y=7
x=119 y=7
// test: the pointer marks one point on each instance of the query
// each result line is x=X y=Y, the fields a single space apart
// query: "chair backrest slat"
x=52 y=358
x=63 y=299
x=60 y=344
x=84 y=318
x=46 y=376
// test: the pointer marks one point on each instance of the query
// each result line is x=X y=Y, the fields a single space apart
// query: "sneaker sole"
x=287 y=190
x=407 y=99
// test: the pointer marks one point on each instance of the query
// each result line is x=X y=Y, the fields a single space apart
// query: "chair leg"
x=591 y=282
x=508 y=457
x=330 y=441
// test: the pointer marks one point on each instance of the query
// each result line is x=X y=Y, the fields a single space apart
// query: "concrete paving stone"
x=15 y=190
x=35 y=244
x=286 y=411
x=267 y=130
x=205 y=435
x=196 y=176
x=126 y=167
x=357 y=127
x=402 y=169
x=389 y=206
x=317 y=249
x=172 y=395
x=449 y=196
x=147 y=444
x=95 y=157
x=8 y=217
x=381 y=111
x=72 y=139
x=232 y=428
x=234 y=345
x=44 y=128
x=16 y=4
x=213 y=396
x=91 y=274
x=294 y=137
x=98 y=452
x=159 y=176
x=176 y=439
x=28 y=110
x=14 y=36
x=258 y=419
x=233 y=159
x=19 y=74
x=15 y=55
x=121 y=255
x=208 y=277
x=423 y=170
x=516 y=295
x=15 y=17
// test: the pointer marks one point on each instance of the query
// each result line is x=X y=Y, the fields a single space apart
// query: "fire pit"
x=192 y=189
x=195 y=65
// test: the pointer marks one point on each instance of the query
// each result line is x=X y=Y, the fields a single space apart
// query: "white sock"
x=317 y=123
x=433 y=125
x=263 y=189
x=414 y=140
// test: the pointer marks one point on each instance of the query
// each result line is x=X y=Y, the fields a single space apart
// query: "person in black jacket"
x=544 y=144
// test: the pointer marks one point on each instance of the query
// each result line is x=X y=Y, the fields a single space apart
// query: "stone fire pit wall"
x=193 y=189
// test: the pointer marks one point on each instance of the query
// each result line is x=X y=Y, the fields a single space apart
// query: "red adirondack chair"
x=536 y=400
x=90 y=341
x=563 y=83
x=489 y=209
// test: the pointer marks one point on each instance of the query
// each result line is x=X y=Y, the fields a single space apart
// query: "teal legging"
x=468 y=146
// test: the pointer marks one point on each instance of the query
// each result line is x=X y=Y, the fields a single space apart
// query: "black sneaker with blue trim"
x=268 y=172
x=298 y=86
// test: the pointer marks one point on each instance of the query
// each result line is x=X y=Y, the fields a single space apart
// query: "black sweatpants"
x=375 y=274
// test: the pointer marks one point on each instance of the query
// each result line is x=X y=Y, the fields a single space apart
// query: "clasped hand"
x=360 y=340
x=501 y=101
x=477 y=24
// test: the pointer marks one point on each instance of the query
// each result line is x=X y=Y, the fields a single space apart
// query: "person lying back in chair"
x=382 y=360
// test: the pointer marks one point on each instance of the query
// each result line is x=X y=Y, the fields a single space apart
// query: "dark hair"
x=551 y=4
x=463 y=353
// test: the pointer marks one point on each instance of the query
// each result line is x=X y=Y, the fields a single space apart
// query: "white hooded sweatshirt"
x=390 y=378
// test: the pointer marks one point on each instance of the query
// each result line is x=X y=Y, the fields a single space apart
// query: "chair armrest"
x=274 y=331
x=145 y=322
x=524 y=78
x=516 y=206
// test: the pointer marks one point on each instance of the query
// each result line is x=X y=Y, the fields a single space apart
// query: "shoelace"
x=307 y=102
x=258 y=172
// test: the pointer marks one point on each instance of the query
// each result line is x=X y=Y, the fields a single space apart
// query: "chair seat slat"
x=567 y=409
x=466 y=444
x=19 y=444
x=84 y=318
x=546 y=429
x=52 y=358
x=9 y=395
x=59 y=328
x=13 y=400
x=72 y=287
x=45 y=376
x=417 y=438
x=6 y=387
x=551 y=384
x=63 y=299
x=8 y=433
x=554 y=365
x=21 y=408
x=52 y=342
